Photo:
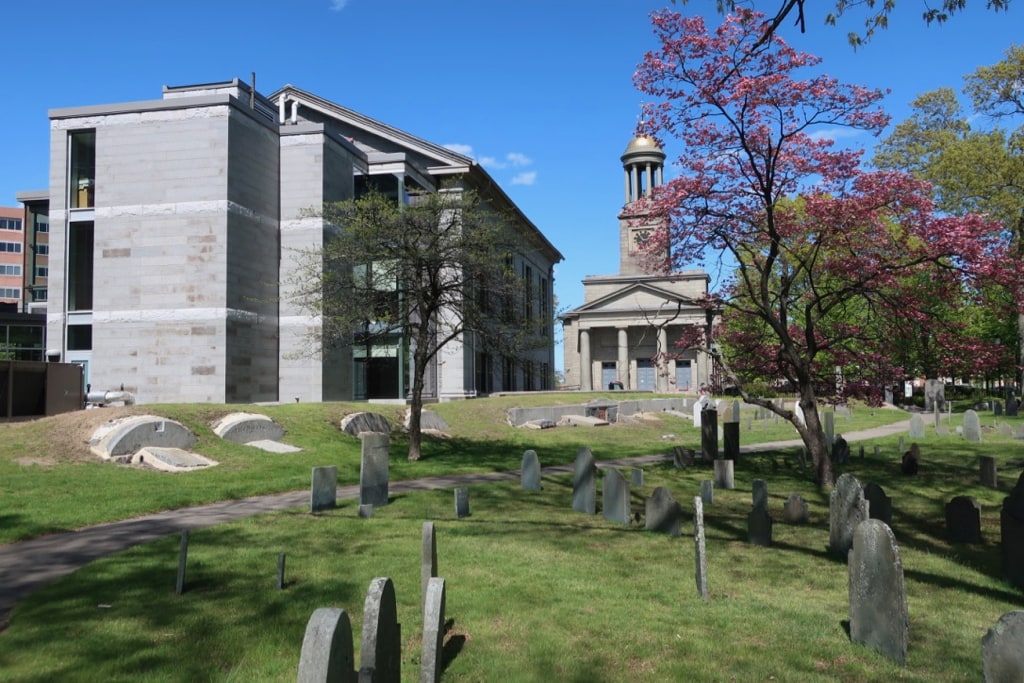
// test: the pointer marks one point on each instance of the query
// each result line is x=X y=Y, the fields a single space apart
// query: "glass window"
x=10 y=224
x=79 y=337
x=80 y=267
x=82 y=173
x=43 y=249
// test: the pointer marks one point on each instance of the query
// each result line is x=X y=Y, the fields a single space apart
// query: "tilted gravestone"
x=615 y=497
x=529 y=474
x=759 y=494
x=879 y=504
x=846 y=509
x=428 y=558
x=759 y=527
x=963 y=520
x=1002 y=649
x=707 y=491
x=795 y=510
x=989 y=472
x=431 y=659
x=373 y=469
x=381 y=650
x=662 y=513
x=327 y=648
x=878 y=599
x=709 y=435
x=323 y=490
x=916 y=426
x=584 y=482
x=1011 y=526
x=731 y=440
x=972 y=426
x=701 y=574
x=724 y=474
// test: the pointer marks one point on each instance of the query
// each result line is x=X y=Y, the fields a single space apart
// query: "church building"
x=623 y=335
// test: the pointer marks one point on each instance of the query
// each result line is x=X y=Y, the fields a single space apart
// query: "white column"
x=623 y=365
x=625 y=177
x=586 y=371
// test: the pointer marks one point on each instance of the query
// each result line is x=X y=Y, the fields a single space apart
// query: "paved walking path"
x=28 y=565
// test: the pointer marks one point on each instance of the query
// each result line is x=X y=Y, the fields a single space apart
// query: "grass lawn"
x=536 y=591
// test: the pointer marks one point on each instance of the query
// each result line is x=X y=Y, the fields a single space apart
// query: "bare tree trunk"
x=814 y=438
x=420 y=358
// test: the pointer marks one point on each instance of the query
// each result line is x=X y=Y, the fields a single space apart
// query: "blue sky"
x=539 y=91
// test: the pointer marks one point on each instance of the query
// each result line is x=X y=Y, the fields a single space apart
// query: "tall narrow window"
x=82 y=169
x=80 y=240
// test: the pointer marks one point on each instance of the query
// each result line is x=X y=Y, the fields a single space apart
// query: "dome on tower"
x=642 y=143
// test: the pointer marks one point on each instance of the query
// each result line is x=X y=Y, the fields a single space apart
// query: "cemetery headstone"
x=997 y=408
x=699 y=406
x=682 y=457
x=731 y=440
x=903 y=443
x=584 y=482
x=327 y=648
x=323 y=490
x=759 y=527
x=735 y=411
x=847 y=508
x=829 y=419
x=1005 y=429
x=989 y=471
x=972 y=426
x=615 y=496
x=662 y=513
x=795 y=510
x=911 y=462
x=1011 y=526
x=381 y=650
x=878 y=599
x=280 y=571
x=1002 y=649
x=709 y=435
x=431 y=659
x=365 y=511
x=529 y=474
x=461 y=502
x=724 y=474
x=637 y=476
x=1012 y=406
x=840 y=451
x=760 y=494
x=707 y=491
x=373 y=470
x=798 y=412
x=916 y=426
x=963 y=520
x=879 y=504
x=701 y=573
x=428 y=558
x=179 y=585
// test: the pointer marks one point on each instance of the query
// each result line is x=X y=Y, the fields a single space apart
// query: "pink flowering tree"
x=822 y=254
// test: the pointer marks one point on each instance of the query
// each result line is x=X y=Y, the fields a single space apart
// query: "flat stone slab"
x=124 y=436
x=171 y=459
x=246 y=427
x=429 y=421
x=582 y=421
x=274 y=446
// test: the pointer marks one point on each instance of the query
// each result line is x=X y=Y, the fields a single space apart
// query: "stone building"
x=174 y=221
x=624 y=332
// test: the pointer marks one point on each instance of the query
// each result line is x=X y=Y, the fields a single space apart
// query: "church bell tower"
x=643 y=164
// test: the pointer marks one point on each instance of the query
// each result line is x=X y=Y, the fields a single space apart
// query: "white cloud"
x=524 y=178
x=491 y=162
x=517 y=159
x=465 y=150
x=837 y=133
x=512 y=159
x=338 y=5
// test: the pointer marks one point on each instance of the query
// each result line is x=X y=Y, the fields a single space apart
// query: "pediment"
x=639 y=296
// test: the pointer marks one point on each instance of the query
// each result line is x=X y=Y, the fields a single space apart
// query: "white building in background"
x=171 y=226
x=626 y=328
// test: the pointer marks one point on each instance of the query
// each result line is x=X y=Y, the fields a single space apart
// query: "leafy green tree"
x=433 y=271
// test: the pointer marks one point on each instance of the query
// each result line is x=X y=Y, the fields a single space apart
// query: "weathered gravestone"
x=916 y=427
x=759 y=527
x=1012 y=406
x=735 y=417
x=432 y=660
x=323 y=490
x=879 y=504
x=989 y=471
x=584 y=482
x=1005 y=429
x=529 y=474
x=357 y=424
x=997 y=408
x=615 y=497
x=662 y=513
x=972 y=426
x=1011 y=526
x=381 y=650
x=963 y=520
x=428 y=558
x=760 y=494
x=731 y=440
x=707 y=491
x=701 y=574
x=846 y=509
x=461 y=502
x=373 y=469
x=911 y=462
x=795 y=510
x=878 y=599
x=327 y=655
x=682 y=457
x=840 y=451
x=829 y=418
x=699 y=406
x=637 y=476
x=709 y=435
x=1002 y=649
x=724 y=474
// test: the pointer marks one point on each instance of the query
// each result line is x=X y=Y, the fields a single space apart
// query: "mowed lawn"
x=536 y=591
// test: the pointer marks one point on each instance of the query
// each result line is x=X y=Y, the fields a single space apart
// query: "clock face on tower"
x=640 y=238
